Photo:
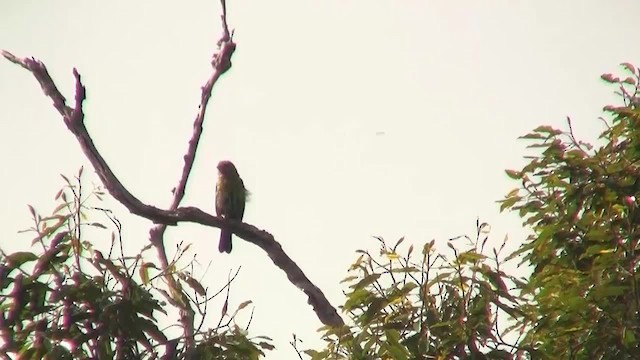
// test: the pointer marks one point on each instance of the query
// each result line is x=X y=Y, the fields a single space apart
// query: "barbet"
x=231 y=196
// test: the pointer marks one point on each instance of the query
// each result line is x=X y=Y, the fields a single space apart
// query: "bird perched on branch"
x=231 y=196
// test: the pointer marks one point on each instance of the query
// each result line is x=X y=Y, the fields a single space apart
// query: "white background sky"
x=449 y=84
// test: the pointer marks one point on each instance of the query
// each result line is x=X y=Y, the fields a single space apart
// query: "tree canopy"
x=65 y=298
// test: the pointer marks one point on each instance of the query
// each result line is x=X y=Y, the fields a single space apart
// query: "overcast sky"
x=346 y=120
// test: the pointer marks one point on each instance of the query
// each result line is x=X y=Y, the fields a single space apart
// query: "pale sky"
x=346 y=120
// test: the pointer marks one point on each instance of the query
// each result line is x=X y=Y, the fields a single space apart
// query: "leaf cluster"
x=69 y=300
x=580 y=201
x=426 y=305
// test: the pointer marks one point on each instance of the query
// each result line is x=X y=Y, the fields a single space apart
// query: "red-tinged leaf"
x=60 y=207
x=48 y=230
x=58 y=194
x=224 y=308
x=32 y=211
x=244 y=305
x=150 y=328
x=80 y=171
x=56 y=217
x=18 y=258
x=516 y=175
x=499 y=354
x=607 y=77
x=629 y=80
x=629 y=67
x=266 y=345
x=195 y=285
x=537 y=146
x=546 y=129
x=98 y=225
x=66 y=180
x=533 y=136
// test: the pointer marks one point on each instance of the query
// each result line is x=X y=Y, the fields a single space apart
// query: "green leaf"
x=349 y=278
x=438 y=279
x=393 y=346
x=629 y=338
x=144 y=273
x=508 y=202
x=470 y=257
x=356 y=298
x=600 y=292
x=368 y=280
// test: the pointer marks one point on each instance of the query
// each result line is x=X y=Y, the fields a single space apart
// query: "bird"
x=231 y=196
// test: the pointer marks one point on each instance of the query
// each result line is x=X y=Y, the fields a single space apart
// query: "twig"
x=226 y=47
x=294 y=344
x=573 y=137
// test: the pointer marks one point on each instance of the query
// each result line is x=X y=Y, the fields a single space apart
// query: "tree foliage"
x=70 y=300
x=425 y=305
x=580 y=201
x=581 y=301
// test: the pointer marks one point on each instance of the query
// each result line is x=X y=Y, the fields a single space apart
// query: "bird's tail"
x=225 y=241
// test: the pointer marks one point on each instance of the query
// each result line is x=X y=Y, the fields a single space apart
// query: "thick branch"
x=74 y=117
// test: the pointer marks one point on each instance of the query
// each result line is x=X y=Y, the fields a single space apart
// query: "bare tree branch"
x=221 y=62
x=74 y=120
